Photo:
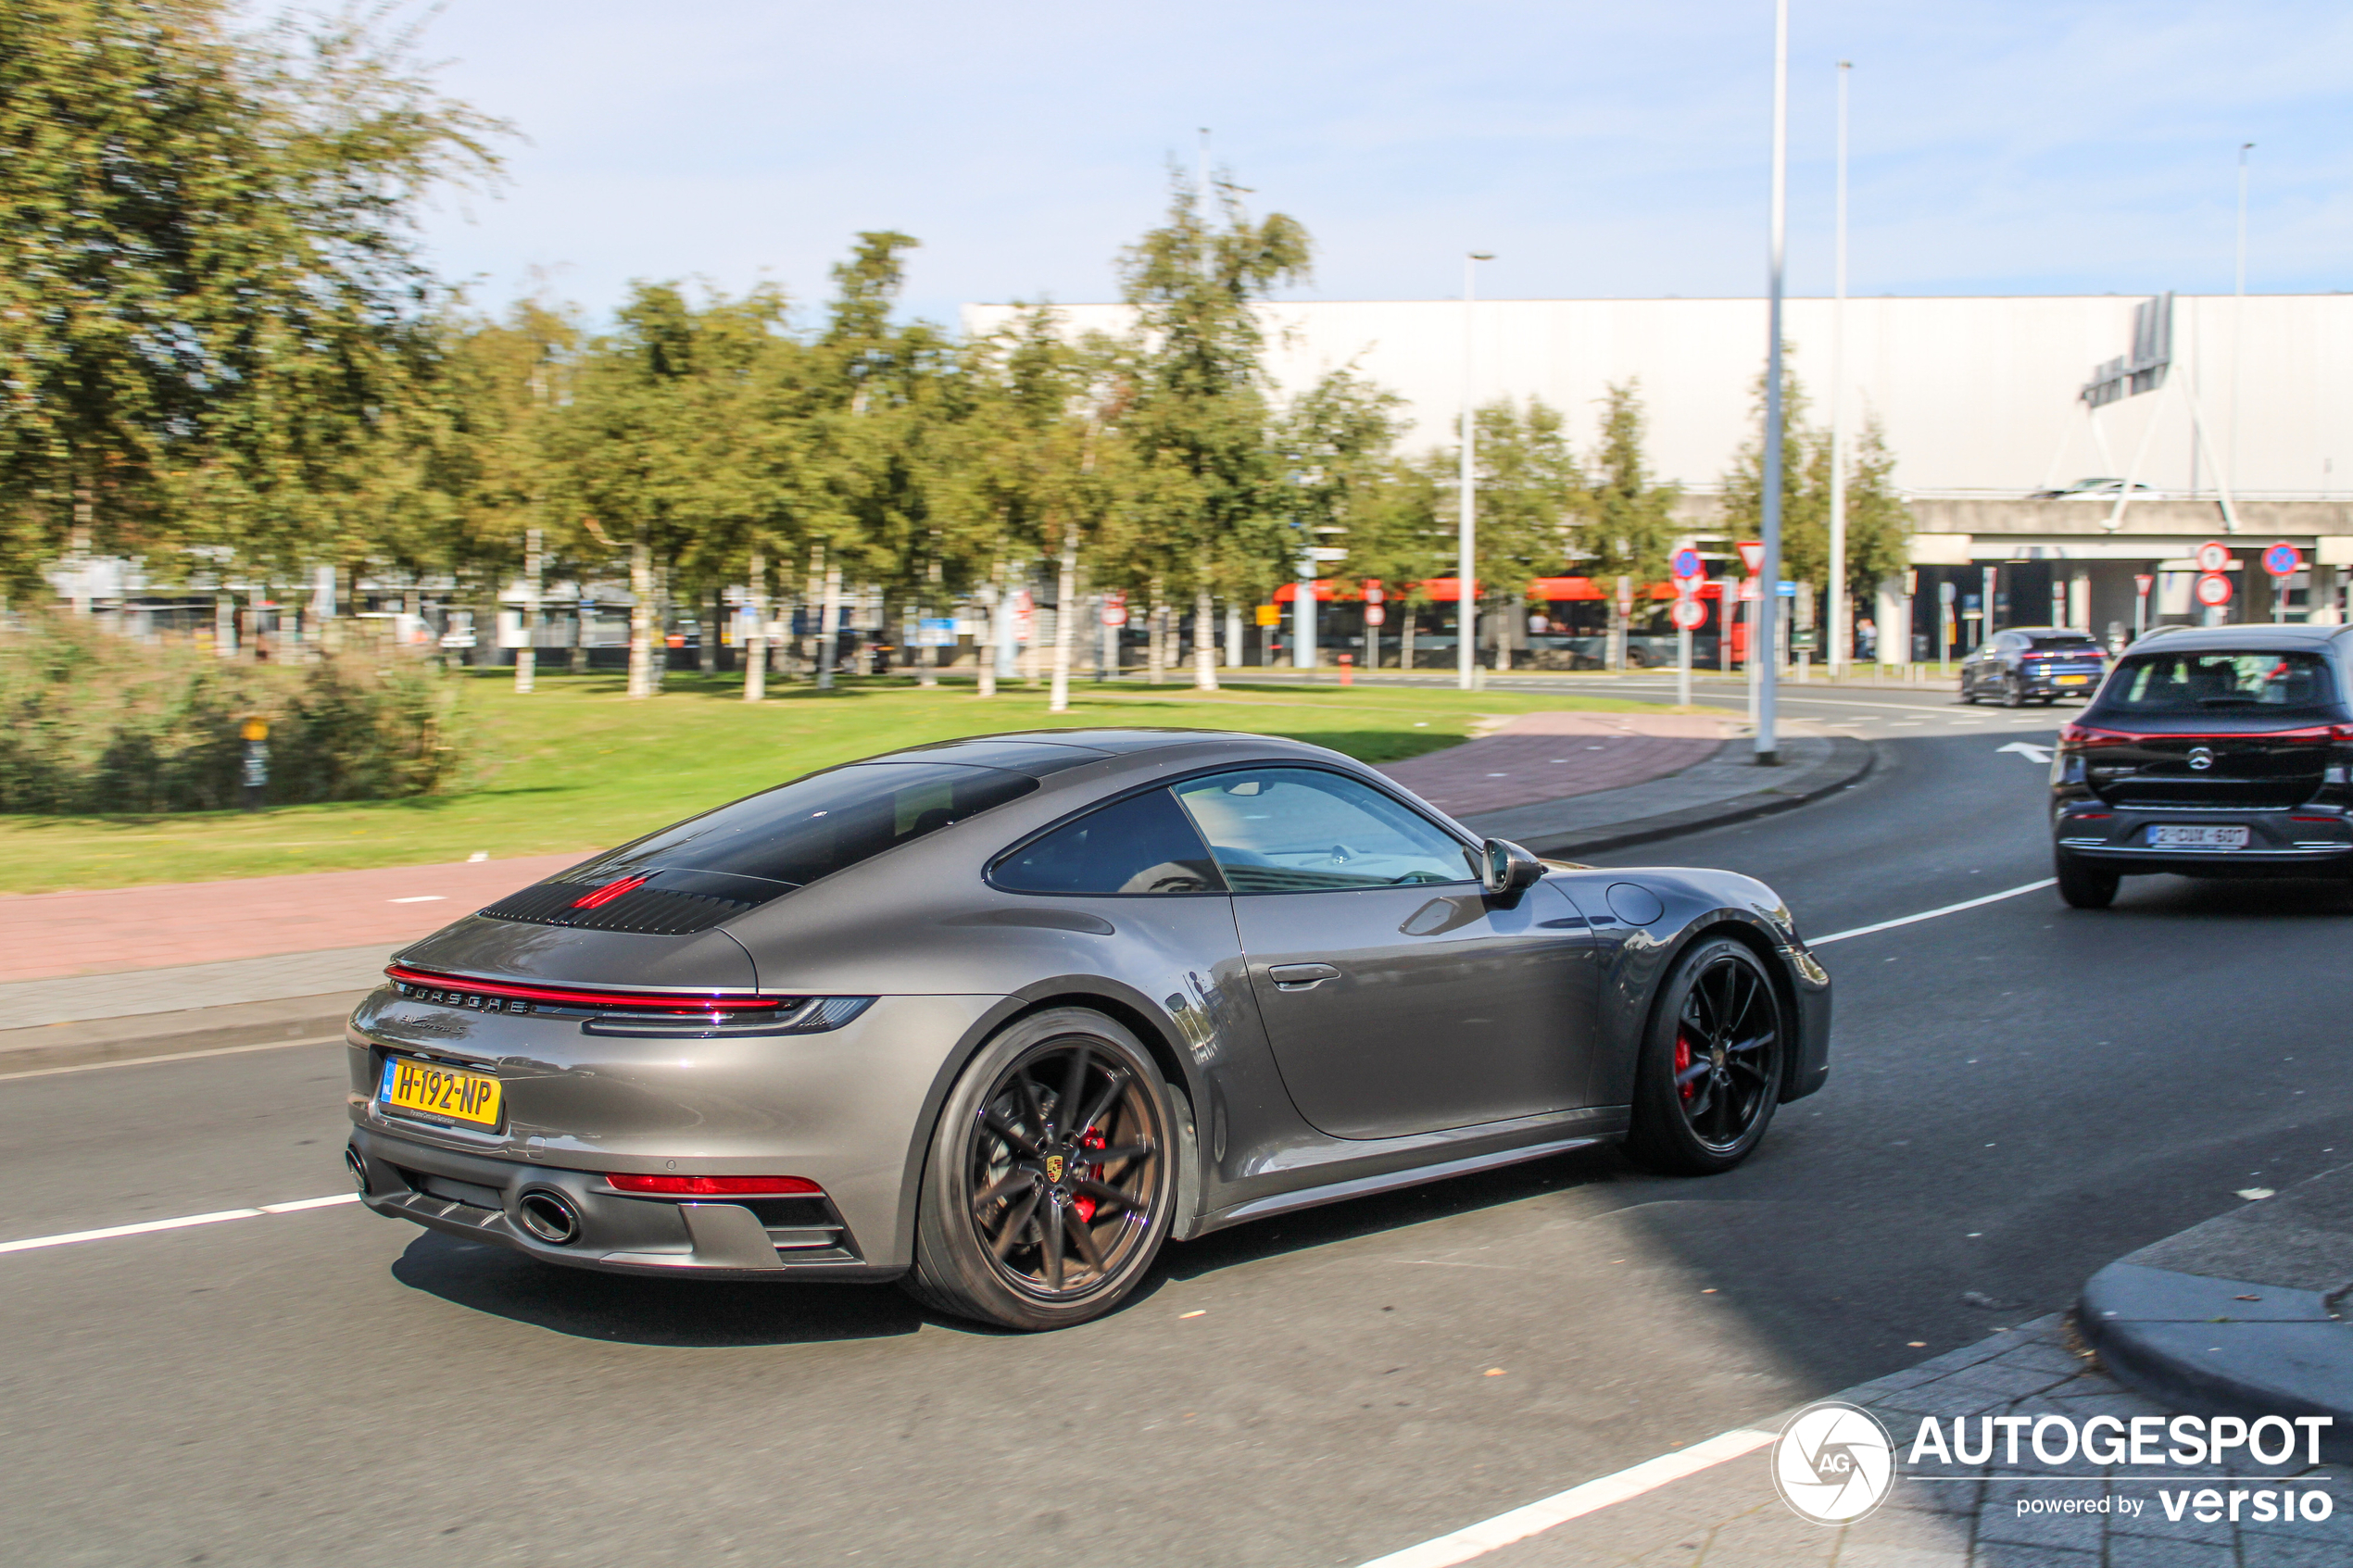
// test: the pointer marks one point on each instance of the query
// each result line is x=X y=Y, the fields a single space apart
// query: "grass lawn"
x=586 y=768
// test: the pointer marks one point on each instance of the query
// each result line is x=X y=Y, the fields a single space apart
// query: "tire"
x=1702 y=1099
x=2013 y=694
x=1062 y=1240
x=2085 y=887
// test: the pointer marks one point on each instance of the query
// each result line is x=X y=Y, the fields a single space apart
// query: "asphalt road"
x=2020 y=1094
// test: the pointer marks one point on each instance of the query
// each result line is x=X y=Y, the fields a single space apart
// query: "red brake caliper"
x=1682 y=1063
x=1085 y=1206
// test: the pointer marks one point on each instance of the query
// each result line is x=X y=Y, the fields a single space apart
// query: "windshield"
x=815 y=826
x=2216 y=681
x=2065 y=642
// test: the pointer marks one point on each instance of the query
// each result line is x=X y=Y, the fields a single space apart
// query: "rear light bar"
x=609 y=892
x=717 y=1187
x=630 y=1001
x=2072 y=734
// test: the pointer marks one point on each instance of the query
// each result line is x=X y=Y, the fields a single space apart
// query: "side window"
x=1141 y=845
x=1300 y=830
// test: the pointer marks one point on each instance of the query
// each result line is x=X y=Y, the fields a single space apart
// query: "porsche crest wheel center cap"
x=1054 y=1163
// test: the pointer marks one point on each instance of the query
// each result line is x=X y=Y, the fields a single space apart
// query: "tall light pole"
x=1467 y=529
x=2238 y=321
x=1839 y=615
x=1761 y=651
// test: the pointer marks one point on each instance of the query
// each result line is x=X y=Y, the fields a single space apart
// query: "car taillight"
x=716 y=1186
x=571 y=996
x=2085 y=735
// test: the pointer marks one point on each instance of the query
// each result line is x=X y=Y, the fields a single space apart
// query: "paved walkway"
x=112 y=929
x=1967 y=1516
x=1541 y=756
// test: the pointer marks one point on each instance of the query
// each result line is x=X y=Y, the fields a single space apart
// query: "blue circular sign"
x=1687 y=563
x=2283 y=560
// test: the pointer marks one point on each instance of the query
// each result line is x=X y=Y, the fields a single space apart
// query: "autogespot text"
x=2157 y=1442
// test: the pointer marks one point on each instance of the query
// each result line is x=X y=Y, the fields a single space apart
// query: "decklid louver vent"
x=632 y=903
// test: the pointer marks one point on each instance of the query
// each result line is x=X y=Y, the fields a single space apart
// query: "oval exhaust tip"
x=550 y=1217
x=358 y=1167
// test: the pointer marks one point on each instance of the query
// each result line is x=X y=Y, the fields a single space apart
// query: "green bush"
x=94 y=722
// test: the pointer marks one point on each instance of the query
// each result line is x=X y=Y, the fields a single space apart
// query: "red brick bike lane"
x=1533 y=757
x=47 y=935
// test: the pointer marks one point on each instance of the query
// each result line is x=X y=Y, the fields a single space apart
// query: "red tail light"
x=565 y=995
x=608 y=893
x=717 y=1187
x=2076 y=735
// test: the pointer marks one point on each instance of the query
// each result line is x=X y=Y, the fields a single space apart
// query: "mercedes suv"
x=2216 y=752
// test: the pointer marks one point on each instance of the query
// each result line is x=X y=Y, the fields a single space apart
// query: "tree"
x=1877 y=521
x=209 y=286
x=1629 y=527
x=1198 y=420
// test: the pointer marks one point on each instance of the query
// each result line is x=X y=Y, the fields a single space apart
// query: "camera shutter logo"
x=1833 y=1463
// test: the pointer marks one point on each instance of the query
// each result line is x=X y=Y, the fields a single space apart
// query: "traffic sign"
x=1690 y=615
x=2283 y=559
x=1114 y=610
x=1375 y=593
x=1686 y=564
x=1376 y=616
x=2212 y=590
x=2141 y=583
x=1749 y=594
x=2212 y=556
x=1752 y=556
x=1270 y=615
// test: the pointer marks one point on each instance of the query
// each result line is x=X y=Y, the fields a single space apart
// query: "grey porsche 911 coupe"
x=998 y=1017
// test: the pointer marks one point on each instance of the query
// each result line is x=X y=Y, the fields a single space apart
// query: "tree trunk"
x=641 y=617
x=1155 y=631
x=1204 y=640
x=527 y=657
x=1405 y=639
x=1065 y=603
x=993 y=605
x=828 y=627
x=756 y=642
x=707 y=642
x=812 y=615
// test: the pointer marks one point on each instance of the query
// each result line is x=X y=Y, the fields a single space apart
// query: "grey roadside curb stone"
x=62 y=1030
x=1722 y=790
x=2243 y=1315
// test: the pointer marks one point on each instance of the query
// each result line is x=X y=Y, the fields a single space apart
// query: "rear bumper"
x=2128 y=860
x=2311 y=841
x=478 y=1197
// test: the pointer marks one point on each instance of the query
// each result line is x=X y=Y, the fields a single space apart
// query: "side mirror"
x=1507 y=871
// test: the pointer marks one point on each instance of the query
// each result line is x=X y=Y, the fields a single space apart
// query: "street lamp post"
x=1839 y=615
x=1761 y=637
x=2238 y=321
x=1467 y=529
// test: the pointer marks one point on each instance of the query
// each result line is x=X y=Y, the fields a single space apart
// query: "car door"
x=1396 y=996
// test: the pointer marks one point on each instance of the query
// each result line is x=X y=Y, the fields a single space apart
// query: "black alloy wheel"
x=1710 y=1076
x=2085 y=887
x=1051 y=1179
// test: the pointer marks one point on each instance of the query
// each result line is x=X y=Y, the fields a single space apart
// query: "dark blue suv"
x=2042 y=662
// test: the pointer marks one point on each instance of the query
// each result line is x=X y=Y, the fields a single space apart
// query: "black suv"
x=2042 y=662
x=2216 y=752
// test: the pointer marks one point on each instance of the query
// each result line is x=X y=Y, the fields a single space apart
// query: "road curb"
x=197 y=1030
x=2239 y=1316
x=1849 y=760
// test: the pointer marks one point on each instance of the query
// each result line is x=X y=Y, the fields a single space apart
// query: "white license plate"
x=2169 y=837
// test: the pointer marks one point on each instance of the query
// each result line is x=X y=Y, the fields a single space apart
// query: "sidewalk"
x=2243 y=1315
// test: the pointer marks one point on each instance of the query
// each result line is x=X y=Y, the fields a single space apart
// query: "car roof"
x=1042 y=752
x=2046 y=632
x=2258 y=637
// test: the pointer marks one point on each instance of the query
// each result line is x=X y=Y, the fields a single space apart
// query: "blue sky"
x=1598 y=149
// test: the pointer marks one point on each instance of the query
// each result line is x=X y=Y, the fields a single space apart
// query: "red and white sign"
x=2143 y=583
x=2212 y=590
x=1375 y=593
x=2212 y=556
x=1752 y=556
x=1114 y=610
x=1690 y=615
x=2283 y=560
x=1024 y=617
x=1748 y=594
x=1376 y=616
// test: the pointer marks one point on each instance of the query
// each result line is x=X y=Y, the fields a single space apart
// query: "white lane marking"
x=1494 y=1534
x=173 y=1056
x=2027 y=749
x=1932 y=914
x=422 y=898
x=183 y=1223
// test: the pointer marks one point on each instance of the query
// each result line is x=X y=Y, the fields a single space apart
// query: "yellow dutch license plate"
x=439 y=1091
x=2074 y=680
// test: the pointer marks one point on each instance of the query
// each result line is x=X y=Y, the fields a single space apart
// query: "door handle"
x=1301 y=976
